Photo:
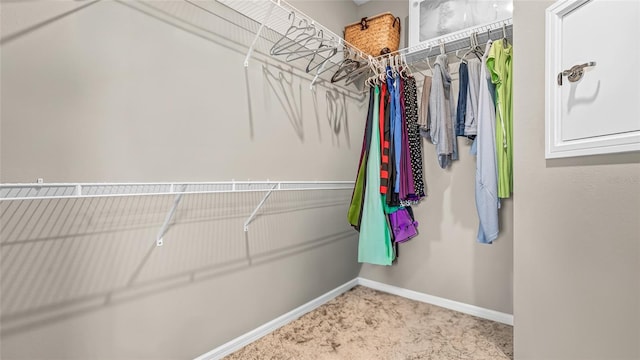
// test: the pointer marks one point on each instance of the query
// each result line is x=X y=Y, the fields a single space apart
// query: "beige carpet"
x=367 y=324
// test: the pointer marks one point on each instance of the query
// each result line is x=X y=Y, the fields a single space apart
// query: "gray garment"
x=442 y=112
x=471 y=118
x=423 y=118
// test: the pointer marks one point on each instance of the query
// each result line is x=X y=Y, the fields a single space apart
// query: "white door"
x=595 y=108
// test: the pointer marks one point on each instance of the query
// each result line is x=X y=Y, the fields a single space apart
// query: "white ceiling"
x=360 y=2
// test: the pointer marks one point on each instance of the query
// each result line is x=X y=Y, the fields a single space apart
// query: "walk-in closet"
x=208 y=179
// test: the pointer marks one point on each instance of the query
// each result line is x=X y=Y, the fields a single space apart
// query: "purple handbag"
x=402 y=225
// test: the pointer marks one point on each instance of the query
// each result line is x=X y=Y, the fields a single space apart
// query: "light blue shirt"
x=487 y=201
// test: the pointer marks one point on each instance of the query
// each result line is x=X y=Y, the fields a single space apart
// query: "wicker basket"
x=375 y=35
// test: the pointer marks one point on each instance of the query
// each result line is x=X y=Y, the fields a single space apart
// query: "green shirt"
x=500 y=65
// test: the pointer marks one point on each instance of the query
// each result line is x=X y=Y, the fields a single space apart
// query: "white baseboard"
x=438 y=301
x=255 y=334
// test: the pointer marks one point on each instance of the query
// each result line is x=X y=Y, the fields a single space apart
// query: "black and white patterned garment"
x=413 y=130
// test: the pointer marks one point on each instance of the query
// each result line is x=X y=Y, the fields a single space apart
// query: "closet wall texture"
x=444 y=259
x=577 y=247
x=149 y=91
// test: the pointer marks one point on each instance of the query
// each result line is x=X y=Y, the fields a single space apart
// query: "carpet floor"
x=366 y=324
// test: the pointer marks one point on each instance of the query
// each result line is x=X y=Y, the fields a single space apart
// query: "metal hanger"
x=357 y=74
x=346 y=66
x=322 y=48
x=306 y=47
x=281 y=46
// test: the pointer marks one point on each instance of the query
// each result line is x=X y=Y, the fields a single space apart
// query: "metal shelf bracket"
x=167 y=220
x=253 y=44
x=255 y=211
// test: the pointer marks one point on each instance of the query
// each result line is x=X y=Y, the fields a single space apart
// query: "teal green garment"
x=387 y=208
x=375 y=237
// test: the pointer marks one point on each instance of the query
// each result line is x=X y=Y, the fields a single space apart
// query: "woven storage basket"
x=375 y=35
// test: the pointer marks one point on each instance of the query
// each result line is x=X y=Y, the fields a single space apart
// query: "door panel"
x=597 y=110
x=607 y=98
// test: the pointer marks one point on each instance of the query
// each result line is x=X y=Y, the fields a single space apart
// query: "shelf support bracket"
x=253 y=214
x=253 y=44
x=167 y=220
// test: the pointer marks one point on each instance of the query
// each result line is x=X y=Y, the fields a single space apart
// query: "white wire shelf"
x=43 y=191
x=457 y=40
x=276 y=16
x=52 y=191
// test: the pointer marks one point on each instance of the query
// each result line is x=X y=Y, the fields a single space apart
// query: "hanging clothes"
x=442 y=112
x=500 y=66
x=384 y=139
x=463 y=75
x=415 y=145
x=397 y=134
x=424 y=120
x=407 y=190
x=354 y=215
x=471 y=112
x=392 y=197
x=374 y=244
x=487 y=201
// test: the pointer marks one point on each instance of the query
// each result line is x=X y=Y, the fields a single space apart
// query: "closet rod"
x=455 y=41
x=43 y=191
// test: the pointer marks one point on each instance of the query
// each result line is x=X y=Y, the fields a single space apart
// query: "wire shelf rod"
x=42 y=191
x=454 y=41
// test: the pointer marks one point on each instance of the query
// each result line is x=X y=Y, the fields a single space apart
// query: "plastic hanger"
x=406 y=71
x=460 y=58
x=478 y=51
x=427 y=60
x=370 y=81
x=384 y=74
x=393 y=64
x=474 y=47
x=504 y=35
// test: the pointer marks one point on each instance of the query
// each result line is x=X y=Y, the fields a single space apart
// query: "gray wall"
x=444 y=259
x=156 y=91
x=577 y=229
